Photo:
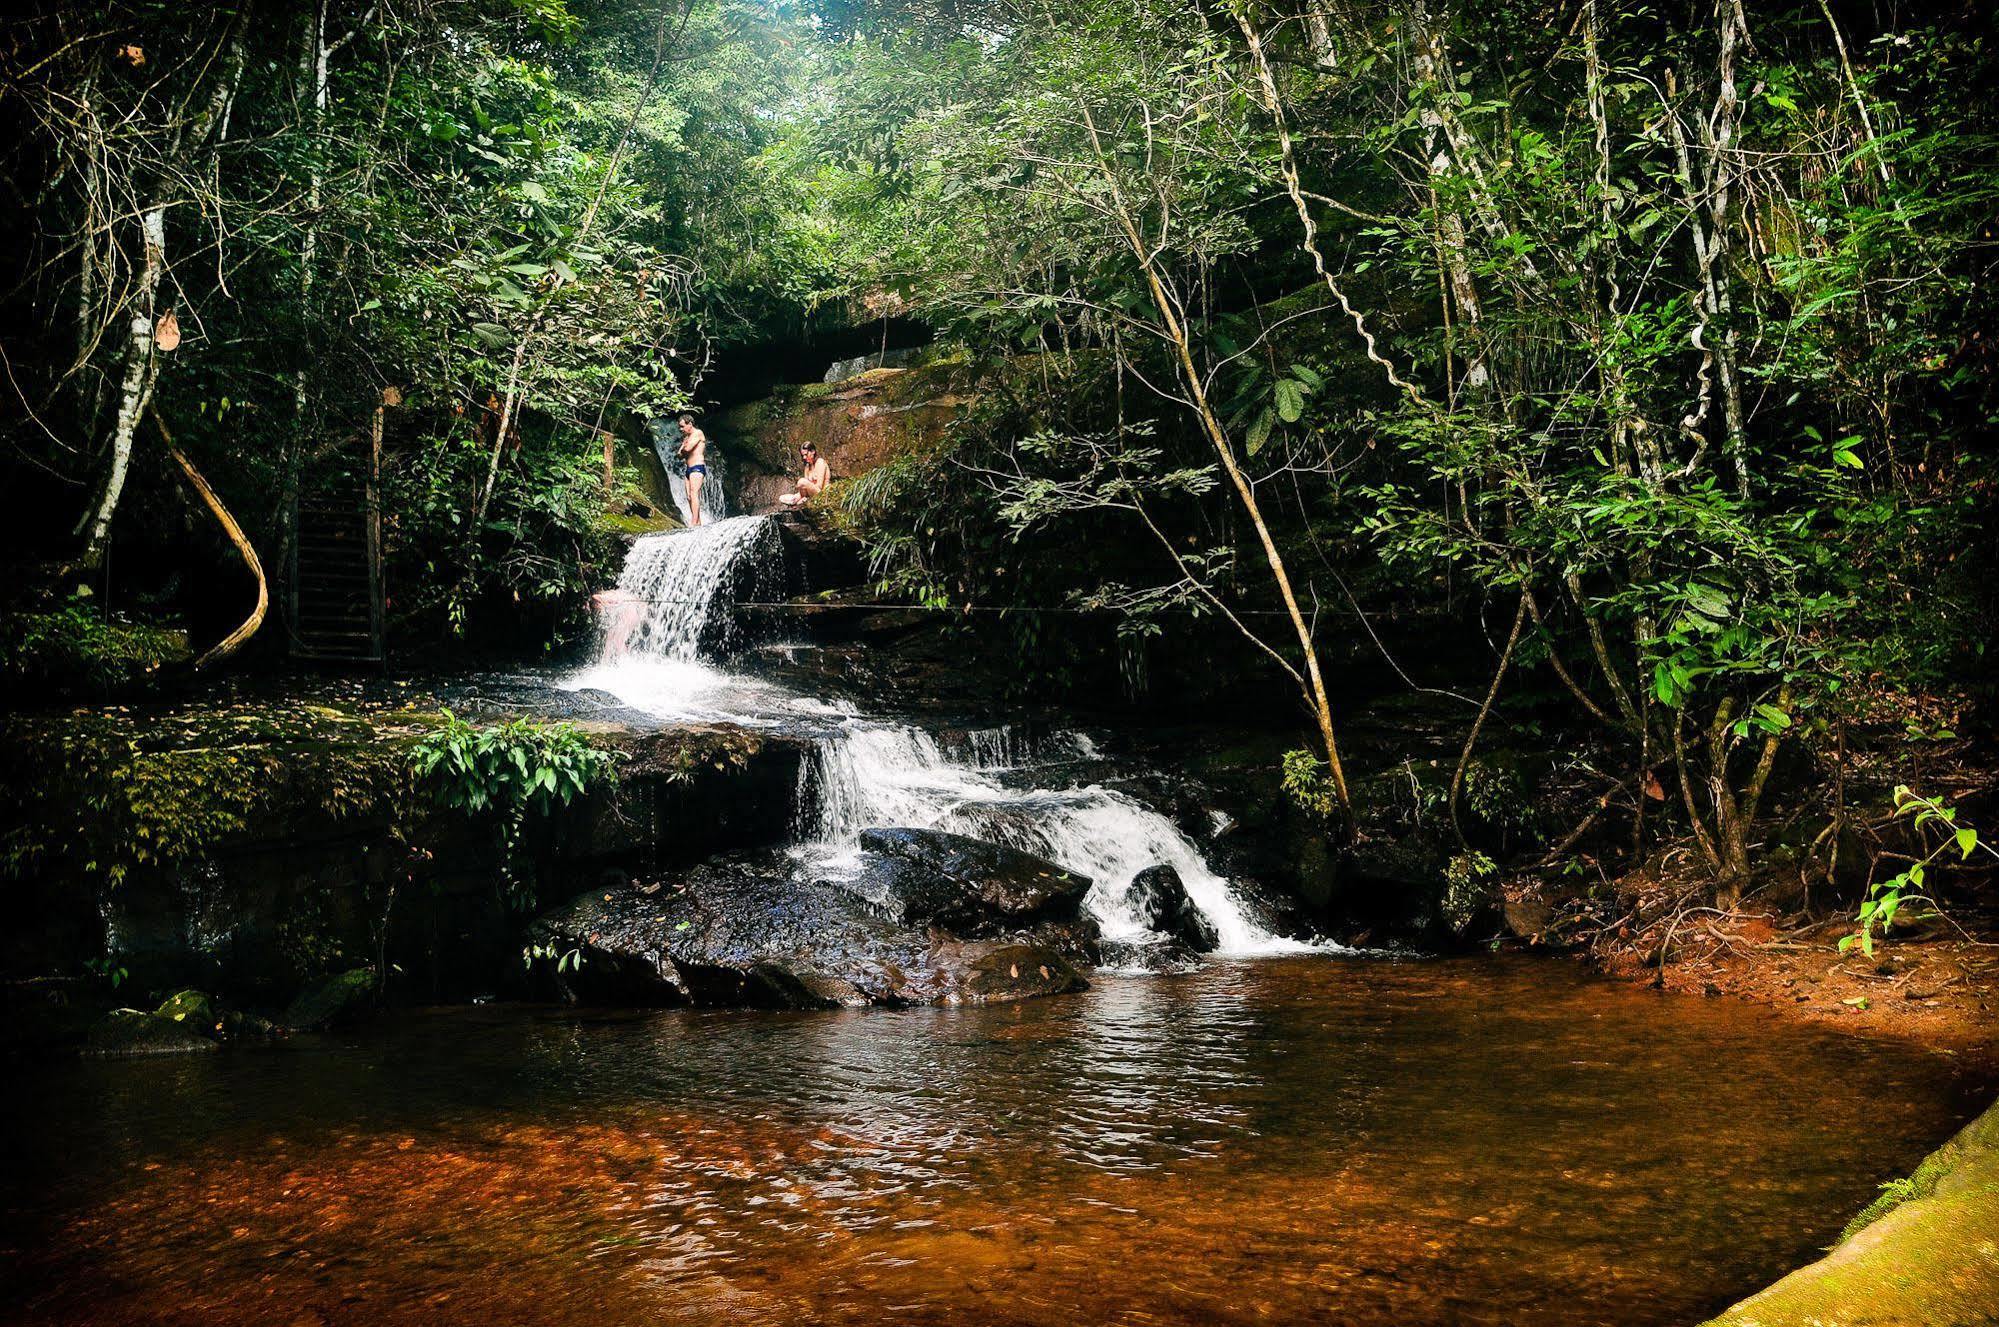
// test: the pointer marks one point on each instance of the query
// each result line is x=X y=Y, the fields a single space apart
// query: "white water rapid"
x=672 y=616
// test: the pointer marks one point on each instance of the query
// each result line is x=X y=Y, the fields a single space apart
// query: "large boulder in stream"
x=756 y=930
x=1160 y=898
x=136 y=1032
x=968 y=886
x=335 y=1000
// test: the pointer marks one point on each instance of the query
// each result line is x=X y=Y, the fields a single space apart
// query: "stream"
x=1287 y=1139
x=1286 y=1133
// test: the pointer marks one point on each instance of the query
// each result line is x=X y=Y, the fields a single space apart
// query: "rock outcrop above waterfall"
x=858 y=424
x=967 y=886
x=756 y=931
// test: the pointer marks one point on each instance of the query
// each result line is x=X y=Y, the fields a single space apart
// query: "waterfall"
x=672 y=616
x=714 y=501
x=879 y=774
x=678 y=590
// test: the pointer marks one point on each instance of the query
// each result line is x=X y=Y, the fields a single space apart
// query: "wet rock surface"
x=1160 y=898
x=969 y=886
x=1926 y=1251
x=136 y=1032
x=333 y=1001
x=757 y=931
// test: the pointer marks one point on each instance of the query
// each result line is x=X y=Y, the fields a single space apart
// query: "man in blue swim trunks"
x=694 y=451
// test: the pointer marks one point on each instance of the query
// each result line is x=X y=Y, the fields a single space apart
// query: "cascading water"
x=679 y=581
x=672 y=614
x=876 y=774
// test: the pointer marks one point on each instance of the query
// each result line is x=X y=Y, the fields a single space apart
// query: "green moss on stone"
x=1926 y=1252
x=136 y=1032
x=191 y=1009
x=634 y=526
x=99 y=794
x=331 y=1001
x=73 y=650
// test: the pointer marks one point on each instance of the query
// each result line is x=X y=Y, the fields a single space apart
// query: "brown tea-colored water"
x=1297 y=1140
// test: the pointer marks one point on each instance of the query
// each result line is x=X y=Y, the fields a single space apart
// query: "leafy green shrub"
x=73 y=649
x=1308 y=783
x=100 y=795
x=1886 y=899
x=511 y=769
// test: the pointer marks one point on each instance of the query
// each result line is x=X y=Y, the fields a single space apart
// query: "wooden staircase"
x=335 y=579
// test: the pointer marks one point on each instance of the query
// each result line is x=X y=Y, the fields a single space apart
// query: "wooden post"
x=390 y=396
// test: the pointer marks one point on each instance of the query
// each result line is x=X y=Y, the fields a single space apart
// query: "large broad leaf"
x=1290 y=400
x=1259 y=431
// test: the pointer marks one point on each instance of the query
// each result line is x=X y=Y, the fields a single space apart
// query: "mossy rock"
x=72 y=650
x=1926 y=1252
x=344 y=997
x=136 y=1032
x=237 y=1025
x=631 y=527
x=191 y=1009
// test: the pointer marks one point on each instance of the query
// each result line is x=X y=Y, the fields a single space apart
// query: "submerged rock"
x=1155 y=956
x=754 y=931
x=1160 y=898
x=344 y=997
x=136 y=1032
x=971 y=887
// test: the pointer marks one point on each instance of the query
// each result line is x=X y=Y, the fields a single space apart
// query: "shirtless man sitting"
x=813 y=482
x=694 y=451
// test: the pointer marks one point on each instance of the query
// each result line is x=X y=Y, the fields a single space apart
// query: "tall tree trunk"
x=192 y=131
x=1318 y=699
x=134 y=393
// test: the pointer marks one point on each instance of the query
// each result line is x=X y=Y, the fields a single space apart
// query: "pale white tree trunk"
x=136 y=392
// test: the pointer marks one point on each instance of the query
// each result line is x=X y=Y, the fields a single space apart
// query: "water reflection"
x=1300 y=1140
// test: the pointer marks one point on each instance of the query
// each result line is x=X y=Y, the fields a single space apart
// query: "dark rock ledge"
x=926 y=918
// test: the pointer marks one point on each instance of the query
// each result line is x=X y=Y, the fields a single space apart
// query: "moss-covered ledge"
x=1927 y=1253
x=244 y=845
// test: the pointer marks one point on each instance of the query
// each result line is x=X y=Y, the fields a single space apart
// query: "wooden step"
x=335 y=603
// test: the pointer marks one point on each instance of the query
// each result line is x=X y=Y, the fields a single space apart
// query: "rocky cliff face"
x=857 y=424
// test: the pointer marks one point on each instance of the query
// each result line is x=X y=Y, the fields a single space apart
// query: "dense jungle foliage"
x=1652 y=342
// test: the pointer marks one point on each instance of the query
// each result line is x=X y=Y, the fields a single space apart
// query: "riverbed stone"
x=970 y=887
x=1159 y=896
x=1527 y=919
x=994 y=971
x=1159 y=956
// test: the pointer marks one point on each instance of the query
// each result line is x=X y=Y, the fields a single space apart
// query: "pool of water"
x=1283 y=1140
